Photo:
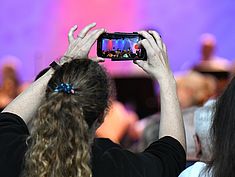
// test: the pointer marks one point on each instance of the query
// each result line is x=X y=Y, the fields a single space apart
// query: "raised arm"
x=26 y=104
x=157 y=66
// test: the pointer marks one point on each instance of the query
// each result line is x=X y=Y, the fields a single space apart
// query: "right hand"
x=79 y=47
x=157 y=64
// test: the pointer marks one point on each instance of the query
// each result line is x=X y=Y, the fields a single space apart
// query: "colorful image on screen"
x=121 y=48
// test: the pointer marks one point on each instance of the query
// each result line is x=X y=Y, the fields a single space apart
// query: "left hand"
x=79 y=47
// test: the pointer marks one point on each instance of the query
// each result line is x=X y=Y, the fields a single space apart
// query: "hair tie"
x=65 y=87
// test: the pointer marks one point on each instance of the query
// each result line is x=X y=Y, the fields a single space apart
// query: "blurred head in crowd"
x=203 y=117
x=194 y=88
x=208 y=44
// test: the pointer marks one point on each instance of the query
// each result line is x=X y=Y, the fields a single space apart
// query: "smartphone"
x=120 y=46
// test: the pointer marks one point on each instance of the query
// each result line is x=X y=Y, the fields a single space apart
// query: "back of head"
x=202 y=121
x=223 y=135
x=194 y=88
x=77 y=97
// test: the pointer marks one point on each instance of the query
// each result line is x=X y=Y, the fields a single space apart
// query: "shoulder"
x=13 y=135
x=194 y=170
x=167 y=147
x=13 y=132
x=12 y=123
x=169 y=153
x=101 y=145
x=154 y=161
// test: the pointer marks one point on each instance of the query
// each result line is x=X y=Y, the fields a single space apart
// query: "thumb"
x=71 y=33
x=140 y=63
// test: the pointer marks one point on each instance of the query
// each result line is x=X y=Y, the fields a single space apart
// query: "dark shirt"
x=163 y=158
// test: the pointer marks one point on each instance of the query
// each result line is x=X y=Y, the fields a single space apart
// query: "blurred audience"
x=211 y=64
x=220 y=155
x=10 y=83
x=197 y=121
x=206 y=80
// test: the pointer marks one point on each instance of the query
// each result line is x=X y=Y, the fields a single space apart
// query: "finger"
x=165 y=53
x=149 y=50
x=71 y=33
x=92 y=33
x=157 y=38
x=149 y=37
x=164 y=47
x=85 y=30
x=90 y=39
x=97 y=59
x=161 y=44
x=142 y=64
x=139 y=62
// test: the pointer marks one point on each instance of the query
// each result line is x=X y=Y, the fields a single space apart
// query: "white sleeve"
x=194 y=170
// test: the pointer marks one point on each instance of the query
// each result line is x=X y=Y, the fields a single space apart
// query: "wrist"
x=64 y=59
x=168 y=82
x=54 y=65
x=166 y=78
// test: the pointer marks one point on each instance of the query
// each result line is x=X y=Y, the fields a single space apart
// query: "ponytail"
x=60 y=144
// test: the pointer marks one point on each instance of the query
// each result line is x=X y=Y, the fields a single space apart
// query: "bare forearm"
x=171 y=123
x=26 y=104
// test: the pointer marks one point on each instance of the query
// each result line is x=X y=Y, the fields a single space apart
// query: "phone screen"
x=120 y=46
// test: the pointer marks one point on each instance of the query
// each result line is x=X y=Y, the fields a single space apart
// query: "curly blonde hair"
x=62 y=133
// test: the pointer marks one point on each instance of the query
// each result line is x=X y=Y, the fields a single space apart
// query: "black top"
x=163 y=158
